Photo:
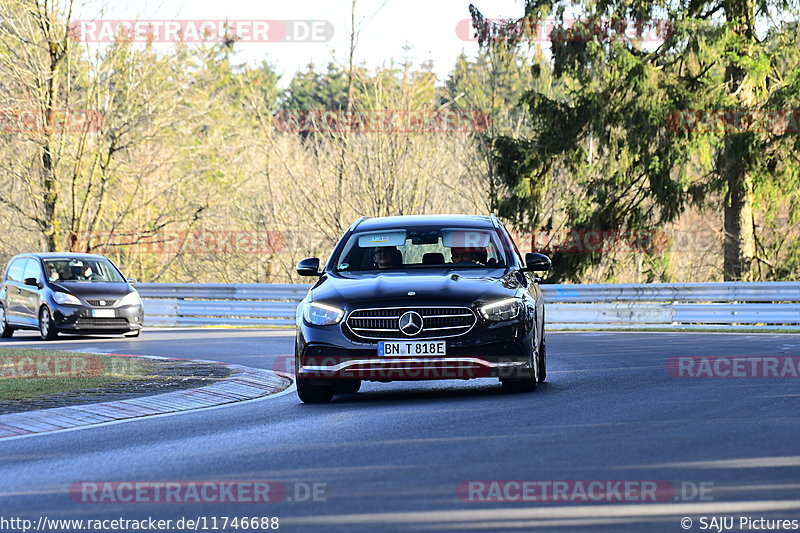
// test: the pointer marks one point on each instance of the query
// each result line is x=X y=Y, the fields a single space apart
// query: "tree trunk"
x=49 y=183
x=344 y=140
x=739 y=244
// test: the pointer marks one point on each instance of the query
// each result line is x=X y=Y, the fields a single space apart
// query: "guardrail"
x=769 y=305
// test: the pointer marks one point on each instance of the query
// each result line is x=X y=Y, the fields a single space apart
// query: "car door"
x=531 y=286
x=29 y=304
x=13 y=286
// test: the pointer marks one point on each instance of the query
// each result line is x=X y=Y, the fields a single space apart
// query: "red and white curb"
x=244 y=383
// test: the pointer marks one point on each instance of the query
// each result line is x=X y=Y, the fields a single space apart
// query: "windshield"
x=422 y=247
x=81 y=270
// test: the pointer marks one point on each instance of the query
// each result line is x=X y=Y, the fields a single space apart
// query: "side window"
x=513 y=244
x=16 y=270
x=33 y=270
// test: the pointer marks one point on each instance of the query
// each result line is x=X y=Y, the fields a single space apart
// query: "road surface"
x=398 y=456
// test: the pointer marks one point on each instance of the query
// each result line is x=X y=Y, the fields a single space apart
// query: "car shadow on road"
x=418 y=392
x=34 y=338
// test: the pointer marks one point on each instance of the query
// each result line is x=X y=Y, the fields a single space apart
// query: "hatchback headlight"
x=322 y=315
x=507 y=309
x=132 y=298
x=63 y=298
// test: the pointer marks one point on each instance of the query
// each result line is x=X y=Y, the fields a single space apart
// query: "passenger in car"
x=469 y=255
x=76 y=274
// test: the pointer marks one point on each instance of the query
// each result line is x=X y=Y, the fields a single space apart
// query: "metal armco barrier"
x=769 y=305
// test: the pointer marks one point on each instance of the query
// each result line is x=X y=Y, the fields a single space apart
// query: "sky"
x=398 y=30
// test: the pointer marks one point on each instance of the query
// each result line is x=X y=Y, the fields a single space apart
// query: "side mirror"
x=308 y=267
x=33 y=282
x=132 y=281
x=537 y=262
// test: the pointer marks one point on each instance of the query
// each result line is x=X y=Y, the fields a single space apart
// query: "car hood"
x=457 y=286
x=93 y=290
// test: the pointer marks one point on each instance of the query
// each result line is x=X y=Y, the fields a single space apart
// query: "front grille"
x=384 y=323
x=97 y=303
x=110 y=323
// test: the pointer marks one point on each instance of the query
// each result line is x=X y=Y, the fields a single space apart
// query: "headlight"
x=132 y=298
x=507 y=309
x=62 y=298
x=322 y=315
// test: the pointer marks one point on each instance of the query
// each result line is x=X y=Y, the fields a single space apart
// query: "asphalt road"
x=393 y=456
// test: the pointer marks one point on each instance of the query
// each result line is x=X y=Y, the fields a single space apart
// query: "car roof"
x=465 y=221
x=60 y=255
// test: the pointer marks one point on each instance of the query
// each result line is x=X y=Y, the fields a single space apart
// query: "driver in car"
x=52 y=273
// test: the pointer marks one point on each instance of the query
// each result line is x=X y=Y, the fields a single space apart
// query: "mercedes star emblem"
x=410 y=323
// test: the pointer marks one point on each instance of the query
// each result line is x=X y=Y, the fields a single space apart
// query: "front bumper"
x=496 y=350
x=414 y=369
x=80 y=319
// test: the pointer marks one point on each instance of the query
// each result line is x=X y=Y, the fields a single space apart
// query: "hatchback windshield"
x=422 y=247
x=81 y=270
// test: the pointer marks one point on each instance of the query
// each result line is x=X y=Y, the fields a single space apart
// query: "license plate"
x=104 y=313
x=388 y=349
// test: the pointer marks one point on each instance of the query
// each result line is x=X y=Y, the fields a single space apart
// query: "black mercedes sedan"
x=417 y=298
x=68 y=293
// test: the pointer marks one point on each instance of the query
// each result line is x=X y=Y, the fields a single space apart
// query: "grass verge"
x=27 y=373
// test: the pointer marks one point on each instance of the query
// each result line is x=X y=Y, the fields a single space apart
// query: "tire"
x=519 y=385
x=47 y=329
x=315 y=392
x=543 y=361
x=6 y=331
x=348 y=386
x=526 y=384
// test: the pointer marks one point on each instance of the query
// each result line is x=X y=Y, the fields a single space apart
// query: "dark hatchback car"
x=68 y=293
x=421 y=297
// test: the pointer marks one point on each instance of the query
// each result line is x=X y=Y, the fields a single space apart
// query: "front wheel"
x=348 y=386
x=519 y=385
x=527 y=383
x=6 y=331
x=315 y=390
x=47 y=329
x=543 y=361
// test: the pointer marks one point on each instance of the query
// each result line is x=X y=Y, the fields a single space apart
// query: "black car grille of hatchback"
x=102 y=322
x=384 y=323
x=102 y=303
